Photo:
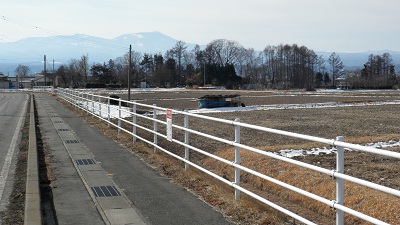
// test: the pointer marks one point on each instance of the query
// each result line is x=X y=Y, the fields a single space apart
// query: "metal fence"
x=100 y=107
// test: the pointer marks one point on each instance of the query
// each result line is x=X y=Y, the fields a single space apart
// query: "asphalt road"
x=12 y=114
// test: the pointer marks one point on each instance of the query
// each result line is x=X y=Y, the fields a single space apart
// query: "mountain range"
x=61 y=48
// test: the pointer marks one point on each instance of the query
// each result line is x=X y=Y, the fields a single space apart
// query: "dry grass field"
x=360 y=124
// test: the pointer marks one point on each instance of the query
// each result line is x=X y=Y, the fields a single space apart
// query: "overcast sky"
x=321 y=25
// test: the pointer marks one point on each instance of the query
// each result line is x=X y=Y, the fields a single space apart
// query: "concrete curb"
x=33 y=212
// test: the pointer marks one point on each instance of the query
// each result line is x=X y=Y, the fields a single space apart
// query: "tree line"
x=227 y=63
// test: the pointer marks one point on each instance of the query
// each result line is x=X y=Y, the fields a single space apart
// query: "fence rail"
x=101 y=107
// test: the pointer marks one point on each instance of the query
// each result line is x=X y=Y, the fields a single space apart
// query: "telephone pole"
x=53 y=74
x=129 y=72
x=44 y=70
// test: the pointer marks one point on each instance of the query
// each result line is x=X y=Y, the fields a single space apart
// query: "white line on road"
x=10 y=153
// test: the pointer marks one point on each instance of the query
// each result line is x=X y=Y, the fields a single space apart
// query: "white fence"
x=99 y=106
x=43 y=88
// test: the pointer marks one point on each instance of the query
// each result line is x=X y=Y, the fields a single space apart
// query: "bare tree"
x=222 y=52
x=378 y=72
x=22 y=71
x=72 y=72
x=286 y=66
x=83 y=69
x=178 y=51
x=62 y=73
x=122 y=64
x=248 y=64
x=336 y=66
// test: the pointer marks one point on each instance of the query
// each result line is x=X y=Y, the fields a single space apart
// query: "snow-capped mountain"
x=31 y=51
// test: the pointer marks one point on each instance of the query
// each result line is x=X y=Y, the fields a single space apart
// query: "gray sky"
x=321 y=25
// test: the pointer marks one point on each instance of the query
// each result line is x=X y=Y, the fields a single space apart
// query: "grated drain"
x=63 y=129
x=105 y=191
x=58 y=121
x=71 y=141
x=85 y=162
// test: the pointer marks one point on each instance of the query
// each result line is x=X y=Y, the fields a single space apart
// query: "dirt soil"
x=358 y=124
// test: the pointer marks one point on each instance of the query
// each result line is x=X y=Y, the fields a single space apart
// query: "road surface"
x=12 y=115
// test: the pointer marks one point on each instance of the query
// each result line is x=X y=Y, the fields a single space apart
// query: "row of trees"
x=378 y=72
x=227 y=63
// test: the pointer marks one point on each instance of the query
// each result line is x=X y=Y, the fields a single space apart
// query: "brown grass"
x=365 y=200
x=248 y=211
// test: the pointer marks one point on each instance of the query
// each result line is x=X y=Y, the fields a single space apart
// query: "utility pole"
x=129 y=72
x=44 y=70
x=204 y=74
x=53 y=73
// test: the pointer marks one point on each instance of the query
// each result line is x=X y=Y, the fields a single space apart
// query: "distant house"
x=342 y=83
x=5 y=82
x=30 y=82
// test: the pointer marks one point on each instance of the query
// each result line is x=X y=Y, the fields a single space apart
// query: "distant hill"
x=30 y=51
x=358 y=59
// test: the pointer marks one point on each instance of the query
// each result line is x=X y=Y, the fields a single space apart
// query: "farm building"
x=30 y=82
x=5 y=82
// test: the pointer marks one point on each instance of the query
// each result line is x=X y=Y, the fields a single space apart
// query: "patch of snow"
x=102 y=109
x=294 y=106
x=290 y=153
x=139 y=35
x=391 y=143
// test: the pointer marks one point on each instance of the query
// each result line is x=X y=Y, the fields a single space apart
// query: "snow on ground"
x=290 y=153
x=294 y=106
x=125 y=112
x=101 y=109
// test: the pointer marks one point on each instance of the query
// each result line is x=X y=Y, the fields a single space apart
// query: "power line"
x=23 y=24
x=20 y=46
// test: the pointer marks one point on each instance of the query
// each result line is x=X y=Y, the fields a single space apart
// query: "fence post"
x=119 y=115
x=237 y=158
x=87 y=103
x=339 y=181
x=78 y=98
x=108 y=111
x=134 y=121
x=155 y=128
x=99 y=108
x=186 y=125
x=75 y=100
x=92 y=105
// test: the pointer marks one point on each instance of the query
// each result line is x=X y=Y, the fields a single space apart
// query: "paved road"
x=154 y=198
x=12 y=115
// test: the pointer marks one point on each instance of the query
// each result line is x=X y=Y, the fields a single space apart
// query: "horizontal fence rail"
x=117 y=111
